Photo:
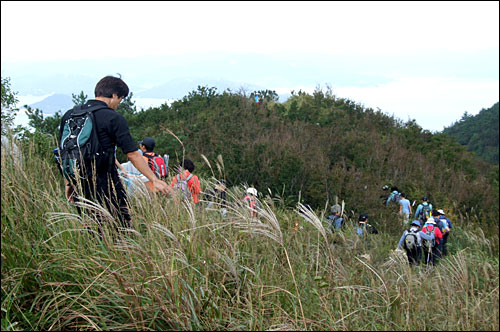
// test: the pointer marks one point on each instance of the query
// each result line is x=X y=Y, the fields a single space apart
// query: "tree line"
x=479 y=133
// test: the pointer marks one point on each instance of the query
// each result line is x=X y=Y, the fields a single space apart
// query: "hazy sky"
x=41 y=31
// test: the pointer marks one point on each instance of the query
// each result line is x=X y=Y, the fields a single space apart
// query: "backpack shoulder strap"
x=147 y=155
x=189 y=177
x=79 y=110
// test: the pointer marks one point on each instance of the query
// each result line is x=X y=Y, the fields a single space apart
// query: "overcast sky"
x=41 y=31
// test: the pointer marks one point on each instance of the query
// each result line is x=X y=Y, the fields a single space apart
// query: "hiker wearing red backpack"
x=154 y=160
x=432 y=247
x=186 y=183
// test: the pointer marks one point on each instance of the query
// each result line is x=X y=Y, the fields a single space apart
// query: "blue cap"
x=416 y=222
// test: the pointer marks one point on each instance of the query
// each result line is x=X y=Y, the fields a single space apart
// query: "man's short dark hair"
x=188 y=164
x=109 y=85
x=403 y=195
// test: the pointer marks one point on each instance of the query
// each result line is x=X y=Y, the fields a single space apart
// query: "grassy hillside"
x=318 y=147
x=479 y=133
x=184 y=269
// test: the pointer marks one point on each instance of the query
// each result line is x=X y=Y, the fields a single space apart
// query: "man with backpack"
x=187 y=184
x=424 y=210
x=364 y=226
x=395 y=196
x=443 y=227
x=431 y=247
x=335 y=219
x=412 y=243
x=88 y=136
x=154 y=160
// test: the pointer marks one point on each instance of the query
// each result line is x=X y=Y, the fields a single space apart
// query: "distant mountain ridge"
x=54 y=103
x=479 y=133
x=174 y=89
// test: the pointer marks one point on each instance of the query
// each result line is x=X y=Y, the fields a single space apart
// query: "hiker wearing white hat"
x=252 y=203
x=431 y=247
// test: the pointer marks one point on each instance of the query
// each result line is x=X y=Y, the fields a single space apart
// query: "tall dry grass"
x=184 y=268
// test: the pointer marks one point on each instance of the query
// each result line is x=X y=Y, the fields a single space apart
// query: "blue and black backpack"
x=79 y=150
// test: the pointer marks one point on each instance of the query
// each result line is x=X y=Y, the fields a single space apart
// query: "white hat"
x=431 y=221
x=252 y=191
x=440 y=211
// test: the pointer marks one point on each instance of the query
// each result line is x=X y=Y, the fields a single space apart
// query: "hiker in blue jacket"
x=424 y=210
x=411 y=242
x=393 y=197
x=335 y=219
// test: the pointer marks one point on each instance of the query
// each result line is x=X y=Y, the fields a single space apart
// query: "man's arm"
x=417 y=212
x=69 y=191
x=117 y=163
x=139 y=163
x=402 y=239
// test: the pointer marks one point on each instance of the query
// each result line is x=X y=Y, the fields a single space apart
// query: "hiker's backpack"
x=157 y=165
x=182 y=186
x=439 y=224
x=396 y=198
x=429 y=243
x=411 y=240
x=80 y=150
x=426 y=212
x=336 y=222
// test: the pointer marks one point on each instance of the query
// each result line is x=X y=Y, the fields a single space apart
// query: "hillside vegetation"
x=319 y=147
x=187 y=268
x=479 y=133
x=184 y=268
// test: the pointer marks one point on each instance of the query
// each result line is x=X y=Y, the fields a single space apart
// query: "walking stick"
x=429 y=255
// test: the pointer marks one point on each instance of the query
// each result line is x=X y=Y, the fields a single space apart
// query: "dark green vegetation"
x=189 y=269
x=319 y=146
x=479 y=133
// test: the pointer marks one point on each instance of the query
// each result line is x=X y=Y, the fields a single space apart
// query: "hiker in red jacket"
x=186 y=182
x=432 y=247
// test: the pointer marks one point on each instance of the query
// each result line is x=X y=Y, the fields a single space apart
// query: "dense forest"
x=312 y=148
x=479 y=133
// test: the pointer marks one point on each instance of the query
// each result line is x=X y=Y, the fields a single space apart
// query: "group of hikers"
x=89 y=135
x=425 y=239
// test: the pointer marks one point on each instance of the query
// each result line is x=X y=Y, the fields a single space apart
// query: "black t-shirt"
x=112 y=128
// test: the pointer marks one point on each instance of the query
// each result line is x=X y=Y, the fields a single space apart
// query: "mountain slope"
x=478 y=133
x=54 y=103
x=318 y=147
